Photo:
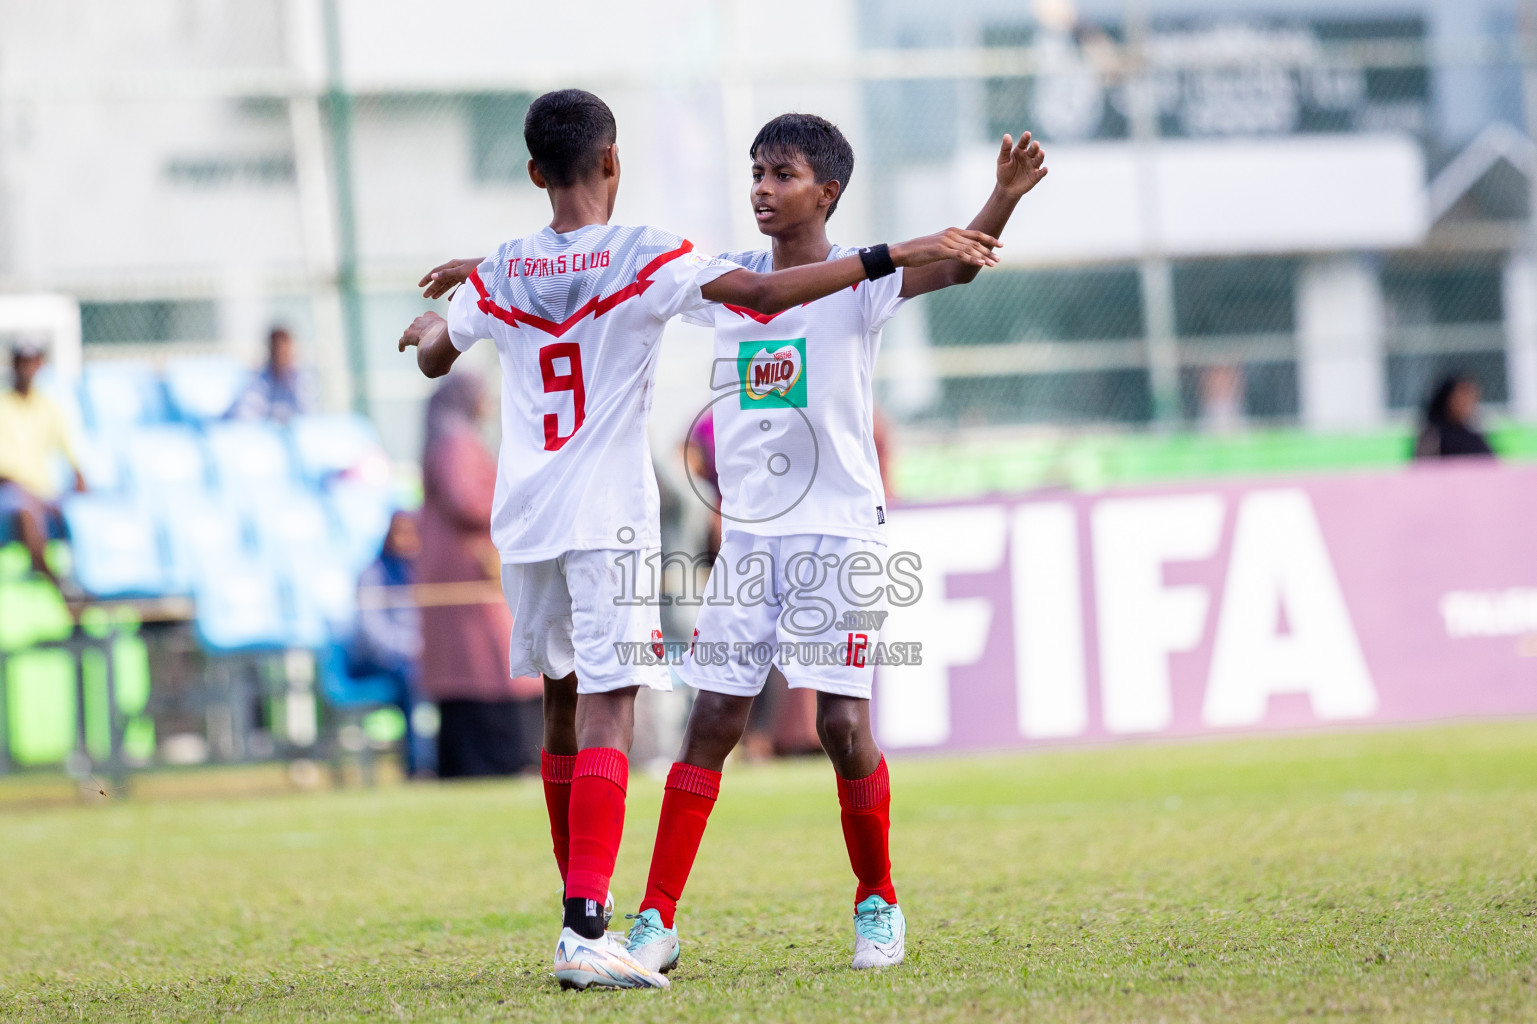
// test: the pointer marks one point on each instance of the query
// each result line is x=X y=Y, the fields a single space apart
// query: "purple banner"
x=1253 y=605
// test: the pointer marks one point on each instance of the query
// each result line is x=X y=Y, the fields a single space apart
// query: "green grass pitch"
x=1359 y=876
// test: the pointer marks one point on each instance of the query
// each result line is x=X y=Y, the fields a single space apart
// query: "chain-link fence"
x=1272 y=324
x=1257 y=219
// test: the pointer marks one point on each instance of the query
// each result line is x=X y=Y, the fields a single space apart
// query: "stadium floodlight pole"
x=1528 y=34
x=1155 y=273
x=339 y=120
x=1521 y=274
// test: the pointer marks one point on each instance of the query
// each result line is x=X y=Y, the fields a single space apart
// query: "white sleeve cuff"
x=466 y=323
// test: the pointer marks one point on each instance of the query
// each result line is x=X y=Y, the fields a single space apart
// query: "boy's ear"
x=535 y=176
x=830 y=192
x=611 y=160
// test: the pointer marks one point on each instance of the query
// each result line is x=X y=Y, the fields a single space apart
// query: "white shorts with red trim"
x=580 y=612
x=810 y=604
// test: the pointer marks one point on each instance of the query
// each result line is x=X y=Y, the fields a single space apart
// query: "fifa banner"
x=1198 y=609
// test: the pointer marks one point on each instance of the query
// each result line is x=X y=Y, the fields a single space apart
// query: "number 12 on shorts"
x=570 y=380
x=854 y=656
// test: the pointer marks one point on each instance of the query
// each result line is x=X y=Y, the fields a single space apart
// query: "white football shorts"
x=578 y=611
x=812 y=604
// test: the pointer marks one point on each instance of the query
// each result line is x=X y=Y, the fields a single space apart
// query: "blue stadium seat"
x=322 y=600
x=200 y=530
x=362 y=516
x=249 y=457
x=294 y=535
x=100 y=463
x=350 y=697
x=240 y=607
x=118 y=394
x=115 y=546
x=65 y=393
x=342 y=444
x=290 y=525
x=164 y=461
x=204 y=387
x=342 y=690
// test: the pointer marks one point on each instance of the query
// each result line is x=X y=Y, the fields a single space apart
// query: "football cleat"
x=582 y=963
x=652 y=944
x=880 y=934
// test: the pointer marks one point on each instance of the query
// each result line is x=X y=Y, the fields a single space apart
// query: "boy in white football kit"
x=576 y=312
x=801 y=492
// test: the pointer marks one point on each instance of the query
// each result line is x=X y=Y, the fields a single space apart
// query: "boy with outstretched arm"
x=809 y=504
x=576 y=312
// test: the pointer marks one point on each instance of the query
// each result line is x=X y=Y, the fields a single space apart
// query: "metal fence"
x=1220 y=340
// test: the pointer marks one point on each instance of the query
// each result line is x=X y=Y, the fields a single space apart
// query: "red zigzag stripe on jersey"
x=764 y=318
x=596 y=306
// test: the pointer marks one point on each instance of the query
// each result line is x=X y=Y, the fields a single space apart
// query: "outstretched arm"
x=445 y=277
x=966 y=250
x=782 y=289
x=1020 y=166
x=435 y=353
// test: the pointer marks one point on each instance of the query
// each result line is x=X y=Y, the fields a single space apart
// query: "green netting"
x=1515 y=442
x=1094 y=462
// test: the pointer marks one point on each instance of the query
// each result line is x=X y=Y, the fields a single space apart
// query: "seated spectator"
x=280 y=391
x=1448 y=429
x=33 y=435
x=388 y=640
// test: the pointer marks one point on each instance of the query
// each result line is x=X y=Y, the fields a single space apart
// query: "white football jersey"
x=576 y=319
x=794 y=413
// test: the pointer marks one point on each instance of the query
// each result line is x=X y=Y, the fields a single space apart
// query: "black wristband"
x=877 y=261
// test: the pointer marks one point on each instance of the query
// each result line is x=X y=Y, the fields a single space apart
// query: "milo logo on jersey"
x=773 y=373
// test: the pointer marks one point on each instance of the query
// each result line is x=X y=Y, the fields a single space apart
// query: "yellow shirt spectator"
x=32 y=433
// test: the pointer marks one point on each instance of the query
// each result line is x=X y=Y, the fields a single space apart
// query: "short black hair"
x=1438 y=405
x=566 y=132
x=817 y=140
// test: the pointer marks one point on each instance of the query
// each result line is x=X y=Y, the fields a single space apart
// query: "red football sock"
x=555 y=770
x=686 y=806
x=597 y=821
x=866 y=807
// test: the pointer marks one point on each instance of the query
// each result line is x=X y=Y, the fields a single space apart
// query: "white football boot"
x=581 y=963
x=651 y=943
x=880 y=934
